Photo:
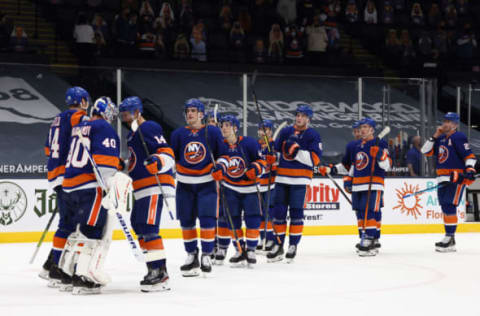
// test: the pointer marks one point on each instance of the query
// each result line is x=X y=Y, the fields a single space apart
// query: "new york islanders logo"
x=361 y=160
x=133 y=159
x=194 y=152
x=442 y=154
x=236 y=167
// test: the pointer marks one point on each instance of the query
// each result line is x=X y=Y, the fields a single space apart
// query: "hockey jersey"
x=57 y=143
x=362 y=166
x=298 y=170
x=103 y=144
x=144 y=183
x=348 y=159
x=241 y=156
x=453 y=154
x=268 y=169
x=192 y=155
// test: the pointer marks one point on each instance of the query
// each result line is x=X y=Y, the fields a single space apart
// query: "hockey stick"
x=55 y=211
x=279 y=129
x=382 y=134
x=339 y=188
x=222 y=195
x=252 y=87
x=137 y=252
x=136 y=127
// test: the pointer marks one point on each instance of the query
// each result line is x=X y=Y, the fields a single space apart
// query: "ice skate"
x=276 y=254
x=46 y=267
x=83 y=286
x=291 y=253
x=367 y=248
x=56 y=276
x=206 y=264
x=191 y=268
x=238 y=260
x=251 y=259
x=156 y=280
x=447 y=244
x=220 y=256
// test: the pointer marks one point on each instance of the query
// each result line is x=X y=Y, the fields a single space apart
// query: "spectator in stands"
x=121 y=30
x=425 y=44
x=199 y=49
x=370 y=13
x=276 y=44
x=466 y=43
x=237 y=42
x=388 y=13
x=132 y=5
x=160 y=47
x=444 y=4
x=451 y=16
x=408 y=51
x=462 y=7
x=226 y=18
x=185 y=18
x=84 y=36
x=166 y=18
x=351 y=12
x=333 y=9
x=287 y=9
x=414 y=157
x=416 y=15
x=146 y=9
x=19 y=40
x=100 y=27
x=399 y=5
x=181 y=49
x=245 y=21
x=317 y=39
x=147 y=38
x=200 y=28
x=333 y=38
x=259 y=52
x=294 y=43
x=393 y=45
x=434 y=15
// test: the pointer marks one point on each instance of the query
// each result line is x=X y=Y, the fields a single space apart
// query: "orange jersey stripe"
x=194 y=172
x=363 y=180
x=105 y=160
x=156 y=244
x=315 y=159
x=457 y=198
x=281 y=229
x=450 y=219
x=252 y=233
x=446 y=172
x=145 y=182
x=92 y=219
x=166 y=150
x=264 y=181
x=59 y=242
x=471 y=156
x=430 y=153
x=223 y=232
x=78 y=180
x=295 y=172
x=240 y=183
x=296 y=229
x=60 y=170
x=189 y=234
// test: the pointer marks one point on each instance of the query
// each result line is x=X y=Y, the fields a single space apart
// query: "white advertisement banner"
x=26 y=205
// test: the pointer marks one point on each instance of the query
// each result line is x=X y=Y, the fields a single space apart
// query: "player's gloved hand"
x=153 y=163
x=324 y=170
x=270 y=158
x=456 y=177
x=218 y=172
x=375 y=152
x=253 y=171
x=333 y=170
x=291 y=146
x=347 y=184
x=121 y=164
x=469 y=176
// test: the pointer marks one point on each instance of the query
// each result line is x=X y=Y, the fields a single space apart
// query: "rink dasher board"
x=26 y=206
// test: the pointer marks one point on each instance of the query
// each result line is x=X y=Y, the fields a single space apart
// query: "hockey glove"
x=253 y=171
x=377 y=153
x=347 y=184
x=153 y=164
x=292 y=147
x=270 y=159
x=218 y=172
x=121 y=164
x=469 y=176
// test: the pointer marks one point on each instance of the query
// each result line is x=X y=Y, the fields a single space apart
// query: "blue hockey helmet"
x=210 y=114
x=266 y=124
x=195 y=103
x=305 y=109
x=356 y=124
x=131 y=104
x=452 y=117
x=368 y=121
x=105 y=108
x=231 y=119
x=75 y=95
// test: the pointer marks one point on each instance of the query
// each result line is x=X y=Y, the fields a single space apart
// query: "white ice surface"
x=407 y=278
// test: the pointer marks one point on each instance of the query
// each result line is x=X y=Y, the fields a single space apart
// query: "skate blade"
x=86 y=291
x=273 y=260
x=161 y=287
x=218 y=262
x=445 y=250
x=206 y=275
x=65 y=288
x=367 y=253
x=251 y=265
x=54 y=283
x=289 y=261
x=192 y=273
x=238 y=265
x=44 y=275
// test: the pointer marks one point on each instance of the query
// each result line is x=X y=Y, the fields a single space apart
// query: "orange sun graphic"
x=409 y=206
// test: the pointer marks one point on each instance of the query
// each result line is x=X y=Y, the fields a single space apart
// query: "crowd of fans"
x=13 y=38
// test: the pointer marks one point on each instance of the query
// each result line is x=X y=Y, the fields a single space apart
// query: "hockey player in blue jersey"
x=267 y=181
x=146 y=167
x=455 y=165
x=56 y=149
x=368 y=184
x=86 y=248
x=241 y=192
x=196 y=193
x=300 y=148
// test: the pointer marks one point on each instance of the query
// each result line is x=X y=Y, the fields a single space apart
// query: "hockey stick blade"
x=279 y=129
x=384 y=133
x=215 y=111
